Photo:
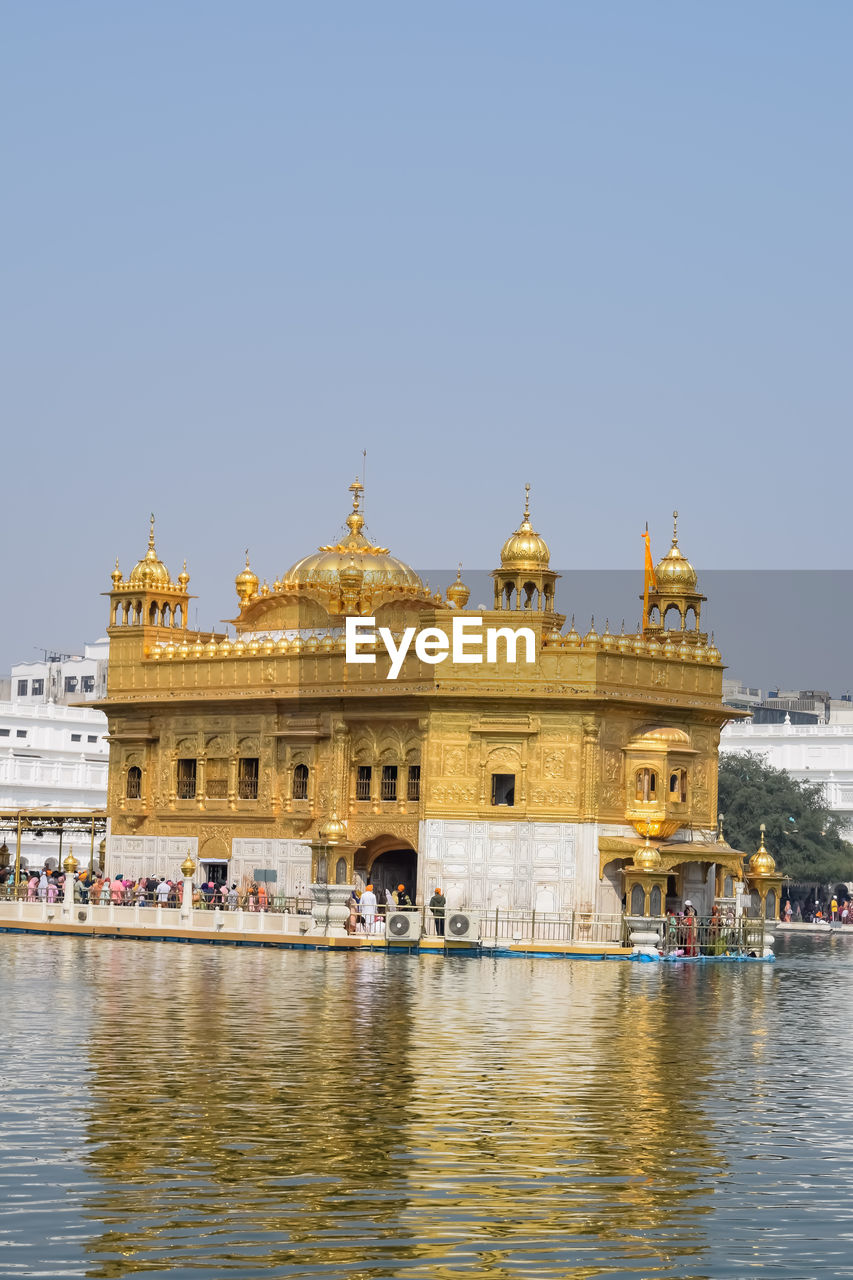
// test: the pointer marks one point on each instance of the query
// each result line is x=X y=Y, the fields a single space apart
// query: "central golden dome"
x=379 y=568
x=150 y=571
x=525 y=548
x=675 y=574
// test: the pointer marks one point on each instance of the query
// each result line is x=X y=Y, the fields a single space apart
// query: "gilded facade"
x=510 y=783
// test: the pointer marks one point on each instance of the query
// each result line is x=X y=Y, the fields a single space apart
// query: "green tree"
x=803 y=834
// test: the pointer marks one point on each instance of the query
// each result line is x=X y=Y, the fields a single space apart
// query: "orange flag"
x=649 y=579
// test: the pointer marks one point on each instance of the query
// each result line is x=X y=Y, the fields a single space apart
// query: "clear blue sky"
x=603 y=247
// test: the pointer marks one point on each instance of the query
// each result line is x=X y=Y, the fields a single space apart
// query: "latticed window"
x=646 y=785
x=216 y=779
x=678 y=786
x=186 y=779
x=247 y=777
x=133 y=790
x=389 y=782
x=413 y=788
x=300 y=782
x=362 y=782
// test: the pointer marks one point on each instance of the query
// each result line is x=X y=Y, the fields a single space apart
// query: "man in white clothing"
x=162 y=891
x=367 y=907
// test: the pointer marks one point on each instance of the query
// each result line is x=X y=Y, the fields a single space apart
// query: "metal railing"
x=694 y=936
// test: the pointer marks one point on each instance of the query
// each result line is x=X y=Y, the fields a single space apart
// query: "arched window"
x=670 y=622
x=133 y=790
x=654 y=616
x=770 y=905
x=647 y=785
x=179 y=616
x=728 y=888
x=531 y=596
x=167 y=616
x=691 y=622
x=638 y=901
x=341 y=871
x=152 y=613
x=678 y=786
x=300 y=782
x=654 y=900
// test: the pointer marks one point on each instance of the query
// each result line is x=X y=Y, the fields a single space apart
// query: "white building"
x=53 y=756
x=812 y=752
x=63 y=677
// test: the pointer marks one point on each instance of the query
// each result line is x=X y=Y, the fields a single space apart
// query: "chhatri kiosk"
x=579 y=780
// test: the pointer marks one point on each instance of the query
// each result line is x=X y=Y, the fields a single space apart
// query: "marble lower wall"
x=286 y=864
x=541 y=866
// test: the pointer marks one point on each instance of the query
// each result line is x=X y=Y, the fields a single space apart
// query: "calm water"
x=212 y=1112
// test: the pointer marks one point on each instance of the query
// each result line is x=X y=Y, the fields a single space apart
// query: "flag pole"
x=646 y=579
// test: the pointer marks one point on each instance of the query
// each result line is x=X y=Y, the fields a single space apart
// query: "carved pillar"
x=200 y=780
x=590 y=767
x=232 y=781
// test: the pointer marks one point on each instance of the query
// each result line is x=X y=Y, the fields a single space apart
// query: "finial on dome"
x=151 y=534
x=116 y=574
x=527 y=502
x=675 y=528
x=355 y=519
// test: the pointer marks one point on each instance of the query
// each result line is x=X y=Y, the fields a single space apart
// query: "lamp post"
x=187 y=871
x=69 y=866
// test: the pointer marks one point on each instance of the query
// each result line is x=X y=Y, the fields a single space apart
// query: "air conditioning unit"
x=462 y=926
x=403 y=926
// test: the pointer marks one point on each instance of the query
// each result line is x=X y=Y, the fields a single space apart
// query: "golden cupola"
x=674 y=601
x=150 y=570
x=149 y=597
x=246 y=583
x=525 y=579
x=379 y=568
x=762 y=862
x=457 y=593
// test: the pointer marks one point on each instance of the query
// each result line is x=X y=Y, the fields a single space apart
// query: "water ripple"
x=229 y=1113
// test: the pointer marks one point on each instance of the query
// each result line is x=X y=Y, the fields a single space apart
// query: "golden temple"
x=582 y=780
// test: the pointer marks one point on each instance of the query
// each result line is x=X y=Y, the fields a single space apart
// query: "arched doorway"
x=387 y=861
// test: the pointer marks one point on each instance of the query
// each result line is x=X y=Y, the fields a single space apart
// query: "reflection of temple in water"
x=238 y=1090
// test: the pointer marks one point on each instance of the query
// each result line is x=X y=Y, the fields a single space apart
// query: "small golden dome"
x=524 y=548
x=572 y=640
x=184 y=578
x=188 y=866
x=116 y=575
x=762 y=863
x=150 y=571
x=675 y=574
x=246 y=582
x=608 y=640
x=713 y=654
x=590 y=640
x=333 y=831
x=646 y=858
x=457 y=593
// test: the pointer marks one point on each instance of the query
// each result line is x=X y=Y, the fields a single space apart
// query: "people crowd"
x=48 y=885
